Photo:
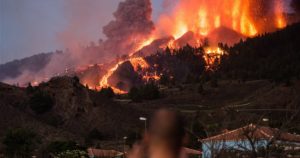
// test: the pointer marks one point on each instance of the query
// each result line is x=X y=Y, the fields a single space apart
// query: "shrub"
x=107 y=92
x=95 y=134
x=29 y=88
x=57 y=147
x=134 y=94
x=41 y=102
x=146 y=92
x=20 y=143
x=72 y=154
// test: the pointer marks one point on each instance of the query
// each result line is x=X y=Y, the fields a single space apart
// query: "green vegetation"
x=29 y=88
x=107 y=92
x=273 y=56
x=41 y=102
x=20 y=143
x=72 y=154
x=95 y=134
x=57 y=147
x=183 y=65
x=148 y=91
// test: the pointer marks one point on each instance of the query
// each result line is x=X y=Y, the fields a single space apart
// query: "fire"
x=136 y=62
x=181 y=29
x=212 y=55
x=202 y=17
x=143 y=44
x=203 y=23
x=280 y=19
x=217 y=21
x=149 y=76
x=104 y=81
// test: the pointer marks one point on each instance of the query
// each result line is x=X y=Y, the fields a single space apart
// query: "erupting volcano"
x=195 y=21
x=247 y=17
x=133 y=35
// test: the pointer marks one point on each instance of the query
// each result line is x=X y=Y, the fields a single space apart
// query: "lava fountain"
x=248 y=17
x=241 y=18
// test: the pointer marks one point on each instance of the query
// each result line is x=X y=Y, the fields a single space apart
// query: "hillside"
x=33 y=64
x=257 y=80
x=274 y=56
x=63 y=109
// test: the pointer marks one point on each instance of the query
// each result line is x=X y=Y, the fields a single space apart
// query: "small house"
x=250 y=141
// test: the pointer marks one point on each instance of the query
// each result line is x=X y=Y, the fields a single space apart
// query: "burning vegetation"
x=134 y=38
x=236 y=19
x=196 y=63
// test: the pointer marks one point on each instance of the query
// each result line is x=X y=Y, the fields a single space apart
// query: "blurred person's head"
x=166 y=133
x=164 y=139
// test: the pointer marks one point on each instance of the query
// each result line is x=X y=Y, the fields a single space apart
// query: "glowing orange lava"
x=143 y=44
x=212 y=56
x=280 y=19
x=149 y=76
x=202 y=17
x=136 y=62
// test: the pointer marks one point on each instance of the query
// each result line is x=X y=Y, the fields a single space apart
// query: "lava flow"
x=192 y=21
x=104 y=81
x=136 y=62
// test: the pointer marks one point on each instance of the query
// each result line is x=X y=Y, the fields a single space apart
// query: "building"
x=251 y=141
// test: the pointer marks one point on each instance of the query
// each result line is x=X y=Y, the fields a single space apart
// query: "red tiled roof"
x=257 y=132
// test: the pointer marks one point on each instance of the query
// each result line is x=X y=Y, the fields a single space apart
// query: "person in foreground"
x=164 y=139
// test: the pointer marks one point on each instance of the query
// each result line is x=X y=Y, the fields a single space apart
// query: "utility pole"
x=145 y=120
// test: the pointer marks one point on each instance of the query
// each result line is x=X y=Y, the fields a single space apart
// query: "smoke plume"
x=132 y=25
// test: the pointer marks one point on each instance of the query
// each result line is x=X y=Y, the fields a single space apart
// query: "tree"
x=95 y=134
x=29 y=88
x=200 y=88
x=164 y=80
x=61 y=146
x=41 y=102
x=148 y=91
x=20 y=143
x=107 y=92
x=72 y=154
x=76 y=79
x=134 y=94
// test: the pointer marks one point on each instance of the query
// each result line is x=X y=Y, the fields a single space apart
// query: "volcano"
x=133 y=34
x=225 y=35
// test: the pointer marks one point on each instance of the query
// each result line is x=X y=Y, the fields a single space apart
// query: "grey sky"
x=29 y=27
